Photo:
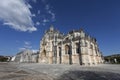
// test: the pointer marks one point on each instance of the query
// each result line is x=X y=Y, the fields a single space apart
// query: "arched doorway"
x=44 y=53
x=68 y=50
x=43 y=56
x=78 y=51
x=77 y=48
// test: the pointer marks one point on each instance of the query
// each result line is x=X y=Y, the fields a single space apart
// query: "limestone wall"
x=81 y=47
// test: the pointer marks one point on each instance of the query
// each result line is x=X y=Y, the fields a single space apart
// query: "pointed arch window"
x=59 y=51
x=67 y=49
x=86 y=44
x=91 y=46
x=77 y=48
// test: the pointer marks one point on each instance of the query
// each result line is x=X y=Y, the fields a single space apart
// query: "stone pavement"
x=37 y=71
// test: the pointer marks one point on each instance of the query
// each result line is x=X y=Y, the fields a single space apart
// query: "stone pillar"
x=94 y=55
x=50 y=57
x=80 y=53
x=63 y=53
x=57 y=55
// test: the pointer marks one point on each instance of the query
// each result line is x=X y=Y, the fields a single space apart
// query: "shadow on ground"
x=89 y=75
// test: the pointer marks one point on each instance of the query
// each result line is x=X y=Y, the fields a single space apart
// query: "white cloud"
x=49 y=11
x=35 y=51
x=22 y=49
x=16 y=14
x=27 y=42
x=33 y=15
x=38 y=12
x=37 y=23
x=27 y=45
x=45 y=20
x=52 y=14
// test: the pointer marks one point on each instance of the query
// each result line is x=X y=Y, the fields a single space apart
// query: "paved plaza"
x=37 y=71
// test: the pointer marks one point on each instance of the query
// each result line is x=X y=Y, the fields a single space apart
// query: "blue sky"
x=23 y=22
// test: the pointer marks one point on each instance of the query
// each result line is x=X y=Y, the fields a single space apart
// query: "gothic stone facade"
x=74 y=48
x=26 y=56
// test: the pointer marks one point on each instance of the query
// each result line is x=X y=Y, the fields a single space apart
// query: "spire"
x=81 y=29
x=51 y=28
